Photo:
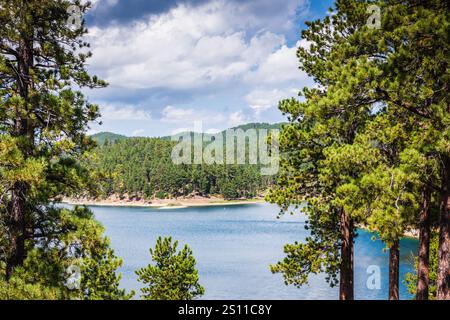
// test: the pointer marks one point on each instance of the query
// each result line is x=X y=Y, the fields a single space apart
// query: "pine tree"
x=412 y=279
x=411 y=50
x=43 y=123
x=42 y=119
x=173 y=277
x=81 y=248
x=388 y=190
x=363 y=75
x=334 y=111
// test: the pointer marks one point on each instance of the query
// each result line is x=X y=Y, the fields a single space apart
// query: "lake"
x=234 y=246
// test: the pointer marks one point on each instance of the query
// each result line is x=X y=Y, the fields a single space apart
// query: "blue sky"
x=173 y=62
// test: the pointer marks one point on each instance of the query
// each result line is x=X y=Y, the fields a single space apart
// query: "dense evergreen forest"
x=142 y=168
x=368 y=144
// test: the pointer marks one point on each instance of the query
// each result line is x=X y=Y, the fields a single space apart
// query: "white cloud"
x=183 y=116
x=262 y=100
x=173 y=114
x=138 y=132
x=279 y=67
x=235 y=50
x=237 y=118
x=103 y=3
x=110 y=112
x=265 y=14
x=187 y=47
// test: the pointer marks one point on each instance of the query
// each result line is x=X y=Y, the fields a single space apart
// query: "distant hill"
x=259 y=125
x=142 y=167
x=244 y=127
x=101 y=137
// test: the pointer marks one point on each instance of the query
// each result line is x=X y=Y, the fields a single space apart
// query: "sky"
x=170 y=63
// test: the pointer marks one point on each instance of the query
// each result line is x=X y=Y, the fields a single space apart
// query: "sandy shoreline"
x=162 y=203
x=181 y=203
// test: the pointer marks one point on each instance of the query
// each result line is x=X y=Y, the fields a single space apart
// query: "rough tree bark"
x=423 y=271
x=346 y=269
x=394 y=265
x=17 y=229
x=17 y=207
x=443 y=280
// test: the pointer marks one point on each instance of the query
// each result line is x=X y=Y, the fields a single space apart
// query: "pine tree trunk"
x=346 y=270
x=16 y=229
x=394 y=265
x=17 y=207
x=423 y=272
x=443 y=279
x=17 y=215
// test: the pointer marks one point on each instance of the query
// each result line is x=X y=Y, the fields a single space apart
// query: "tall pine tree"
x=43 y=123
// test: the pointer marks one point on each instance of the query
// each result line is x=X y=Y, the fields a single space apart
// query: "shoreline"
x=182 y=203
x=162 y=203
x=408 y=234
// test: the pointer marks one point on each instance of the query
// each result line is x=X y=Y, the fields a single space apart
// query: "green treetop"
x=173 y=276
x=43 y=123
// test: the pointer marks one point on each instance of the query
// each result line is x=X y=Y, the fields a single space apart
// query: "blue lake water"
x=234 y=246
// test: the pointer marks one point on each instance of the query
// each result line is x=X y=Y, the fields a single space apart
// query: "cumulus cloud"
x=279 y=67
x=100 y=4
x=185 y=48
x=138 y=132
x=235 y=50
x=237 y=118
x=111 y=112
x=256 y=14
x=173 y=114
x=262 y=100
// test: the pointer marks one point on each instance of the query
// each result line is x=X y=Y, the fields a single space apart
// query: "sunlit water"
x=234 y=246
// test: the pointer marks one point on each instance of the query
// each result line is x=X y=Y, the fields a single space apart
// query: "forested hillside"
x=107 y=137
x=143 y=168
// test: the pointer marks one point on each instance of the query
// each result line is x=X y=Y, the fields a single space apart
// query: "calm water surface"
x=234 y=246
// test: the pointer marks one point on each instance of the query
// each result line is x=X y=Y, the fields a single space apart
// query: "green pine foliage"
x=43 y=122
x=368 y=145
x=77 y=242
x=173 y=275
x=142 y=168
x=411 y=278
x=370 y=137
